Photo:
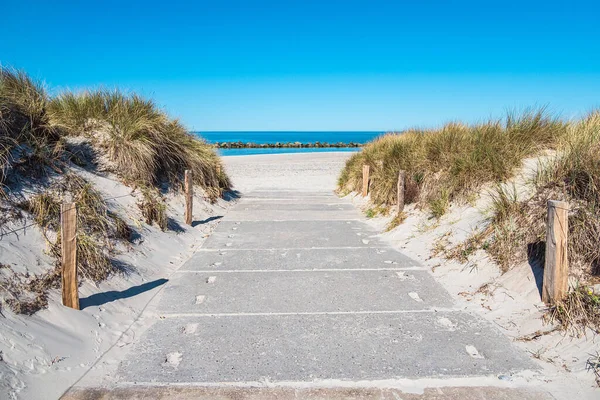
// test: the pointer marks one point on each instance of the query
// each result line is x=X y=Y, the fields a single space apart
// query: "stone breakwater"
x=278 y=145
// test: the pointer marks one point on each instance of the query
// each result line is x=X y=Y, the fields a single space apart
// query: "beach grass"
x=142 y=144
x=453 y=162
x=129 y=136
x=572 y=175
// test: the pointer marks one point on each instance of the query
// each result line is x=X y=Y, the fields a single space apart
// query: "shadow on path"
x=207 y=220
x=106 y=297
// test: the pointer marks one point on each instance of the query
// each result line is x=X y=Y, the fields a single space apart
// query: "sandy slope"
x=42 y=355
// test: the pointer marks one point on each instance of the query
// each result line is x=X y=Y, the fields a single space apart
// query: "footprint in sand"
x=365 y=241
x=211 y=279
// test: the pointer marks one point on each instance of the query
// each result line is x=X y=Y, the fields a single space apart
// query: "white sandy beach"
x=303 y=171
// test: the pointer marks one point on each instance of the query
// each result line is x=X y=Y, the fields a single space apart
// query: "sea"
x=262 y=137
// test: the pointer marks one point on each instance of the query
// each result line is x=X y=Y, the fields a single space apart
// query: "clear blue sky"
x=316 y=65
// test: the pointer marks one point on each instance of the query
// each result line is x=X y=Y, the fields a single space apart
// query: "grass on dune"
x=450 y=163
x=28 y=141
x=573 y=175
x=516 y=232
x=128 y=134
x=142 y=144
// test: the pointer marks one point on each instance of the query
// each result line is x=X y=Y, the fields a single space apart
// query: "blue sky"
x=317 y=65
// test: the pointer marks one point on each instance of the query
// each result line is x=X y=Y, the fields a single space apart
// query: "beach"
x=303 y=171
x=510 y=302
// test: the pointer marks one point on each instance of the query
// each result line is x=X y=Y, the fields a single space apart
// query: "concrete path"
x=293 y=290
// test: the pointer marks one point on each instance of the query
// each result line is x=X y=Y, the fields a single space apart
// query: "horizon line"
x=293 y=131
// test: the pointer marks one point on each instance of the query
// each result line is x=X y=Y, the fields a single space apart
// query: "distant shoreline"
x=280 y=145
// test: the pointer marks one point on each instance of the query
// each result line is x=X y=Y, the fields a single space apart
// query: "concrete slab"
x=308 y=347
x=334 y=207
x=294 y=259
x=302 y=291
x=289 y=194
x=276 y=214
x=280 y=393
x=291 y=234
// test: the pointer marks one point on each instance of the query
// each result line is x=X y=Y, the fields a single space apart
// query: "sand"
x=43 y=355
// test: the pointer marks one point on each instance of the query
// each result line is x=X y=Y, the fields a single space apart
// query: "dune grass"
x=131 y=137
x=450 y=163
x=28 y=141
x=453 y=163
x=141 y=143
x=572 y=175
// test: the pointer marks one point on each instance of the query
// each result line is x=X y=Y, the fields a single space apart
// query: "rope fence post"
x=556 y=268
x=189 y=196
x=68 y=241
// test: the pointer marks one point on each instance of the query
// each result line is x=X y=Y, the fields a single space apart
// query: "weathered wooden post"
x=401 y=180
x=189 y=196
x=365 y=184
x=68 y=241
x=556 y=269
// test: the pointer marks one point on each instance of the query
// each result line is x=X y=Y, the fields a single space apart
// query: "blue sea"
x=262 y=137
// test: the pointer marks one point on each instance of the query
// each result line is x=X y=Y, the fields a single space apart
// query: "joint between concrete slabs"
x=325 y=313
x=302 y=270
x=298 y=248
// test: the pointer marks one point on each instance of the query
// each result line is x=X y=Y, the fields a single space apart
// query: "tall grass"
x=132 y=137
x=141 y=142
x=573 y=175
x=453 y=162
x=28 y=141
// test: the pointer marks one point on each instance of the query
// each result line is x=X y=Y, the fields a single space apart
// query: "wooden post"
x=68 y=241
x=365 y=185
x=189 y=196
x=401 y=180
x=556 y=269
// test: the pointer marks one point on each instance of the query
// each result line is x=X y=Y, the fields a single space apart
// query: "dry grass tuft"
x=397 y=220
x=25 y=294
x=153 y=208
x=579 y=310
x=97 y=225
